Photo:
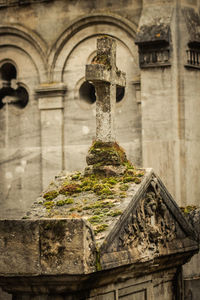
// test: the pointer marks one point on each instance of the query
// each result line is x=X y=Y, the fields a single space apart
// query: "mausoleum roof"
x=95 y=198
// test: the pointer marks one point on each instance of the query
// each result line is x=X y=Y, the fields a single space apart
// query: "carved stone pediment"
x=151 y=226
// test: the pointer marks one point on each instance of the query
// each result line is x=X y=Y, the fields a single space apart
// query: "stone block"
x=54 y=246
x=19 y=247
x=62 y=250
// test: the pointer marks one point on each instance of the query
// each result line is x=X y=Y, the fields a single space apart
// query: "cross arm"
x=100 y=72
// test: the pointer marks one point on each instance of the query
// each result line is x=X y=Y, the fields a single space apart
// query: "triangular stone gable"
x=151 y=226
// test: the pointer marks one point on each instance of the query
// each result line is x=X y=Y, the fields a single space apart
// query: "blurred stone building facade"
x=47 y=109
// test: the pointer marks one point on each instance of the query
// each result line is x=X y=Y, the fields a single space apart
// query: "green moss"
x=114 y=213
x=137 y=180
x=50 y=195
x=128 y=179
x=186 y=210
x=72 y=209
x=103 y=189
x=76 y=176
x=102 y=154
x=95 y=219
x=124 y=187
x=130 y=172
x=110 y=180
x=98 y=187
x=106 y=191
x=49 y=204
x=128 y=165
x=70 y=189
x=66 y=201
x=87 y=207
x=99 y=206
x=140 y=174
x=86 y=188
x=105 y=210
x=88 y=182
x=122 y=195
x=100 y=228
x=112 y=196
x=60 y=202
x=131 y=178
x=103 y=204
x=97 y=211
x=69 y=201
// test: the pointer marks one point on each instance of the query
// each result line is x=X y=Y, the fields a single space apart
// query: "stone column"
x=50 y=101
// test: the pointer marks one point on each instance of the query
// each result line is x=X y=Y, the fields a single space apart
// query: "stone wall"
x=48 y=43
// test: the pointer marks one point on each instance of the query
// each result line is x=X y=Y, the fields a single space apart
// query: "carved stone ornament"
x=150 y=226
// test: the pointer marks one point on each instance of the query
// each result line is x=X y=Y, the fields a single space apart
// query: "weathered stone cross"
x=105 y=76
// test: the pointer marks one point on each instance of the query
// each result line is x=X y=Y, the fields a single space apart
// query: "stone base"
x=103 y=154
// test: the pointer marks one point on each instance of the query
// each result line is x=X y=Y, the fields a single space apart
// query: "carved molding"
x=6 y=3
x=150 y=226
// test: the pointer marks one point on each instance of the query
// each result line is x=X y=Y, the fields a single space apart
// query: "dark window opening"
x=17 y=96
x=8 y=72
x=120 y=93
x=87 y=92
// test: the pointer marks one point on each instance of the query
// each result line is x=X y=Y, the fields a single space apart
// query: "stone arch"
x=20 y=39
x=81 y=29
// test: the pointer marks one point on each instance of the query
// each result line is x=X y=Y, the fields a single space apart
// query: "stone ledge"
x=51 y=89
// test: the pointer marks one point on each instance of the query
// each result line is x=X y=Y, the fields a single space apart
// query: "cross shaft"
x=105 y=76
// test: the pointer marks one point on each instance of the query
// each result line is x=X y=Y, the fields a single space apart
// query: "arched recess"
x=26 y=41
x=20 y=125
x=81 y=29
x=74 y=50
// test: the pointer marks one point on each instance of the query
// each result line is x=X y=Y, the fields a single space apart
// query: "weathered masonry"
x=111 y=232
x=47 y=107
x=43 y=81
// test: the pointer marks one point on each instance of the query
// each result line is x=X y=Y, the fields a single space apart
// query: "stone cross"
x=105 y=76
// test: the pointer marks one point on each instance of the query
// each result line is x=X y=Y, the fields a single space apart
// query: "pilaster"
x=50 y=103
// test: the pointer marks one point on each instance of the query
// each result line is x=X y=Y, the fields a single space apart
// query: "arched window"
x=11 y=91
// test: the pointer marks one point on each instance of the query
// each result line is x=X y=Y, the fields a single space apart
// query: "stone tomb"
x=137 y=255
x=110 y=232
